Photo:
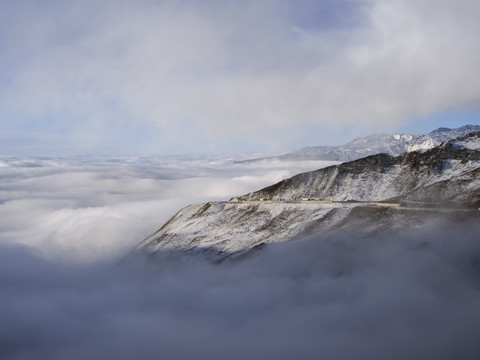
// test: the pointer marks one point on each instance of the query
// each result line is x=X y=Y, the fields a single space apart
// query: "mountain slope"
x=447 y=176
x=381 y=177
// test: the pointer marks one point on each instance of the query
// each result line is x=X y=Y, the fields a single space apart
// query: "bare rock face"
x=416 y=187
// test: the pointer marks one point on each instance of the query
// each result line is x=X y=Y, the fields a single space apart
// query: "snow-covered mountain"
x=381 y=177
x=446 y=177
x=378 y=143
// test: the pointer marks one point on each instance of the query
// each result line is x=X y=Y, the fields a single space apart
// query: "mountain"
x=376 y=193
x=382 y=176
x=375 y=144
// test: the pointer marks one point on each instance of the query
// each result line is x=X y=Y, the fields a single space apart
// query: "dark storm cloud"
x=412 y=296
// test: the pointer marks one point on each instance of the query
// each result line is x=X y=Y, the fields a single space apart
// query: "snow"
x=224 y=229
x=217 y=228
x=421 y=145
x=469 y=144
x=381 y=143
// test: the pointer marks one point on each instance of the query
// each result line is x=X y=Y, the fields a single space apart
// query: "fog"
x=89 y=208
x=68 y=292
x=412 y=296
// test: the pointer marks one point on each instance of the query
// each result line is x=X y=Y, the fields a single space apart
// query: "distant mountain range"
x=375 y=144
x=376 y=193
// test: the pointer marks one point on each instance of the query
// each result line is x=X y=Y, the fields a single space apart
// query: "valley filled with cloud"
x=98 y=97
x=67 y=290
x=92 y=208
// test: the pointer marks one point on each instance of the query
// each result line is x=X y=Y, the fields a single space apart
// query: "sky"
x=85 y=77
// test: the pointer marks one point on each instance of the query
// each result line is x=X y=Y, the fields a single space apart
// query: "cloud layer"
x=214 y=75
x=412 y=296
x=85 y=209
x=64 y=294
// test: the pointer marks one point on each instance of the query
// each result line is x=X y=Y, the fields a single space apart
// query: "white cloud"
x=195 y=73
x=86 y=209
x=65 y=221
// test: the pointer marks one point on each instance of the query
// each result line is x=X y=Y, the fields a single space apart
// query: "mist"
x=85 y=209
x=70 y=288
x=414 y=295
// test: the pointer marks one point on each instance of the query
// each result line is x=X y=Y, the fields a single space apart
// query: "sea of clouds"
x=68 y=292
x=93 y=208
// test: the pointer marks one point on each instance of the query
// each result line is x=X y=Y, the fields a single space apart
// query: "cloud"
x=413 y=295
x=260 y=72
x=88 y=208
x=65 y=223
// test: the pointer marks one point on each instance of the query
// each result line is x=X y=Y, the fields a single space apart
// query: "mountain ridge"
x=352 y=180
x=445 y=178
x=395 y=144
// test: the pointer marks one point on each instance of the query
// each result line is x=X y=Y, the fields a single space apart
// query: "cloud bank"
x=65 y=223
x=84 y=209
x=414 y=295
x=214 y=75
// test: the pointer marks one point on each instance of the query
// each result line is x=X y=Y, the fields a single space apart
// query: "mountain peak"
x=441 y=129
x=380 y=143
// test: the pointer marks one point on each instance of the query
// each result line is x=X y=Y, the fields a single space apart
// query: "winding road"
x=418 y=206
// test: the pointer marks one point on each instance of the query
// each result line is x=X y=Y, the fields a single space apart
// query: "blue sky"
x=146 y=76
